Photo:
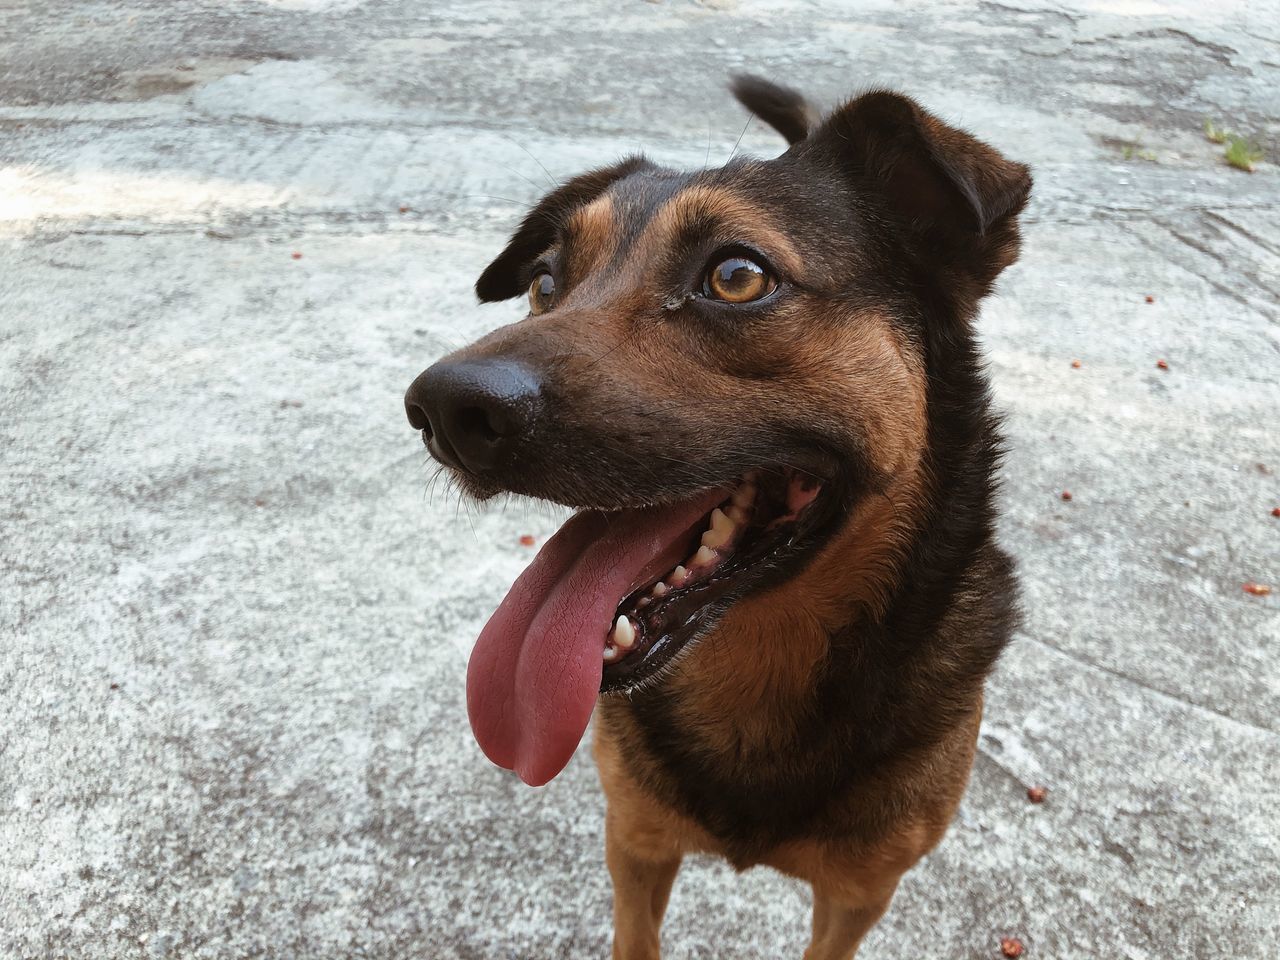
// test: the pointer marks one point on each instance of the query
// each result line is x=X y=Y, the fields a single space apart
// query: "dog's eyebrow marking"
x=701 y=207
x=590 y=238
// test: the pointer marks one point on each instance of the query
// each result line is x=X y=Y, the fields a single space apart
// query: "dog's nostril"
x=477 y=422
x=417 y=416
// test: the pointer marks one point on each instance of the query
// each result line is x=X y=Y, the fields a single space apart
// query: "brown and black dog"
x=760 y=388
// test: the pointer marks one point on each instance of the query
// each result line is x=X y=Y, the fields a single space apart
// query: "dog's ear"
x=955 y=197
x=781 y=107
x=503 y=279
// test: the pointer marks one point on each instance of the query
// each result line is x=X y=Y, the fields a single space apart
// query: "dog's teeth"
x=611 y=653
x=705 y=557
x=644 y=602
x=736 y=513
x=624 y=634
x=715 y=539
x=721 y=532
x=678 y=576
x=745 y=495
x=660 y=589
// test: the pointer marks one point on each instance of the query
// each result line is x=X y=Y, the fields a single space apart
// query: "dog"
x=780 y=595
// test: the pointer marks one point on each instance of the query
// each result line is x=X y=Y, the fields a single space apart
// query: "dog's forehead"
x=678 y=198
x=651 y=211
x=638 y=197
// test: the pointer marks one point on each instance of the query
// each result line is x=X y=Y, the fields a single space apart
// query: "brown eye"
x=738 y=280
x=542 y=293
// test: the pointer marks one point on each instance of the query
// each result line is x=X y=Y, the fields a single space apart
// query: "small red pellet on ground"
x=1150 y=299
x=1075 y=364
x=526 y=540
x=404 y=209
x=1275 y=511
x=297 y=255
x=259 y=502
x=1162 y=364
x=1257 y=589
x=115 y=686
x=1066 y=495
x=1037 y=794
x=1011 y=947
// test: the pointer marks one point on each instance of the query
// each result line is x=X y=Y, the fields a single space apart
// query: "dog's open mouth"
x=657 y=618
x=611 y=599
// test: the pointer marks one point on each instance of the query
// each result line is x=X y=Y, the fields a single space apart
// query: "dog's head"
x=716 y=368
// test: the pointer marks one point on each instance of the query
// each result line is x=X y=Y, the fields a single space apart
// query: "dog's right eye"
x=738 y=280
x=542 y=293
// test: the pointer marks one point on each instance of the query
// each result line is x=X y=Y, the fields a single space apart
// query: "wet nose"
x=474 y=412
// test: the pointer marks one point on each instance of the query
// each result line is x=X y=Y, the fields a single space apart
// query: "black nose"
x=473 y=413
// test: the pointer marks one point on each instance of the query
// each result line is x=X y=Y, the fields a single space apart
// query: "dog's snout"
x=473 y=413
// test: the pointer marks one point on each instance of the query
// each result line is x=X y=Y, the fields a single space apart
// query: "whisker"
x=510 y=169
x=550 y=179
x=750 y=117
x=487 y=196
x=604 y=355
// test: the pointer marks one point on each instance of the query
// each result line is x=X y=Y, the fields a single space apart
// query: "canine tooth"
x=660 y=589
x=678 y=576
x=624 y=634
x=721 y=532
x=705 y=557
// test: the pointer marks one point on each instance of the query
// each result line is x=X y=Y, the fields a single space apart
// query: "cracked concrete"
x=235 y=616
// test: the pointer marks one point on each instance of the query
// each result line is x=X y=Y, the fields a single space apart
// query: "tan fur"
x=852 y=882
x=593 y=238
x=698 y=202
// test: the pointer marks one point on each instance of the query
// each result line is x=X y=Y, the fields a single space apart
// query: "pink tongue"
x=535 y=671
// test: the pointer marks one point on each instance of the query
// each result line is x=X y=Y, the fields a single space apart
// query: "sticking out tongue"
x=535 y=671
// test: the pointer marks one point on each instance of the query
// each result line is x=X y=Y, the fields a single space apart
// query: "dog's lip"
x=811 y=456
x=822 y=468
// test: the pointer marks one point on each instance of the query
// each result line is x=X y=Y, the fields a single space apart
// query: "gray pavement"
x=234 y=615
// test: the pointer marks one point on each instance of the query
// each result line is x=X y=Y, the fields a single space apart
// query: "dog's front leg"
x=642 y=882
x=838 y=928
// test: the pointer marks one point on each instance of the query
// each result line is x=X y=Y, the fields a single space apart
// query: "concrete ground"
x=234 y=619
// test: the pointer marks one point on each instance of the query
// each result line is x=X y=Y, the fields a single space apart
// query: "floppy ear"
x=954 y=197
x=503 y=278
x=780 y=107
